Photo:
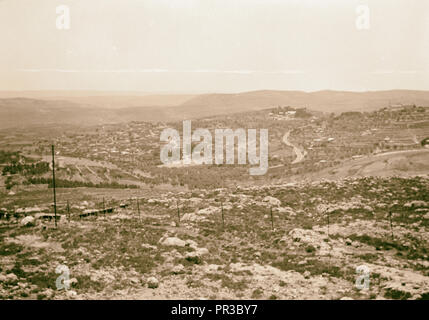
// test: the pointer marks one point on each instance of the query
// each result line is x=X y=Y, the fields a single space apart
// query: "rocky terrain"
x=279 y=241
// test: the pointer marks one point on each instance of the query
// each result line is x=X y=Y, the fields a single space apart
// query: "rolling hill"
x=327 y=101
x=22 y=110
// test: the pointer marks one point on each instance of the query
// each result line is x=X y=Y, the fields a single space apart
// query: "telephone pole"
x=53 y=184
x=178 y=213
x=68 y=210
x=223 y=220
x=138 y=208
x=104 y=208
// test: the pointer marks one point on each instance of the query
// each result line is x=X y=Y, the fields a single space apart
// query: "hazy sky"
x=214 y=45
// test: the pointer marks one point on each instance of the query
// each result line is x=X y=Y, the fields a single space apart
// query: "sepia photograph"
x=224 y=150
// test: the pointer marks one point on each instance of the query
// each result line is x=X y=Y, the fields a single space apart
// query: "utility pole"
x=68 y=210
x=104 y=209
x=138 y=208
x=328 y=222
x=178 y=212
x=272 y=219
x=53 y=184
x=223 y=220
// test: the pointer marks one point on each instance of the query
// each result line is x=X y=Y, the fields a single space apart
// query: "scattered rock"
x=172 y=241
x=289 y=211
x=209 y=210
x=71 y=294
x=202 y=251
x=212 y=268
x=134 y=280
x=10 y=278
x=193 y=217
x=191 y=243
x=178 y=269
x=416 y=204
x=28 y=222
x=152 y=283
x=48 y=293
x=272 y=201
x=311 y=238
x=193 y=257
x=356 y=244
x=148 y=246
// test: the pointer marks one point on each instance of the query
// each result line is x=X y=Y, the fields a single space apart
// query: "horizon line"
x=146 y=93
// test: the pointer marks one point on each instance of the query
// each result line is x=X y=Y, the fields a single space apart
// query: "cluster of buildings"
x=118 y=143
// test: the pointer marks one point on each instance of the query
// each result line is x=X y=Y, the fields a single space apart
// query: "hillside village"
x=127 y=155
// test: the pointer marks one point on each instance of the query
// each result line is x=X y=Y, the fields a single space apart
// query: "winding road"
x=300 y=153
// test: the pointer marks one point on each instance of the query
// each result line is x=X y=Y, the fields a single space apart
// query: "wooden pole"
x=328 y=223
x=391 y=226
x=104 y=208
x=272 y=219
x=68 y=210
x=178 y=212
x=329 y=257
x=138 y=208
x=223 y=219
x=53 y=184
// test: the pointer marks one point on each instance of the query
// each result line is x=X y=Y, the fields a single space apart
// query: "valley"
x=343 y=190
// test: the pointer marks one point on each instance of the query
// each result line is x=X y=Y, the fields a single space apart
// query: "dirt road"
x=300 y=153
